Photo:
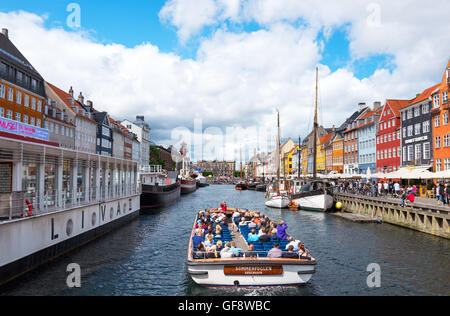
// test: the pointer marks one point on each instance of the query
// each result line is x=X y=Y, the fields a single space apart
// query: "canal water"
x=147 y=256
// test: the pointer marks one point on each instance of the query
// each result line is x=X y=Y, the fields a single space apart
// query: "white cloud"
x=239 y=79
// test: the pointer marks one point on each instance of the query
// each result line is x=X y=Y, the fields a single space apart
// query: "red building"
x=389 y=155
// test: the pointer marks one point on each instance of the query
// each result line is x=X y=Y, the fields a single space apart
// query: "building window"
x=417 y=129
x=10 y=94
x=445 y=97
x=410 y=114
x=56 y=129
x=438 y=141
x=25 y=119
x=9 y=114
x=410 y=130
x=2 y=112
x=2 y=91
x=416 y=111
x=445 y=118
x=410 y=153
x=39 y=106
x=437 y=121
x=447 y=140
x=426 y=151
x=426 y=126
x=18 y=116
x=418 y=153
x=447 y=164
x=33 y=103
x=26 y=100
x=436 y=100
x=38 y=122
x=438 y=165
x=19 y=97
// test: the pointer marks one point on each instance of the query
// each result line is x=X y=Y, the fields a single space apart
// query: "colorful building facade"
x=440 y=123
x=389 y=137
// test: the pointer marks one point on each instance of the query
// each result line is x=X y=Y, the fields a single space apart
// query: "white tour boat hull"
x=214 y=274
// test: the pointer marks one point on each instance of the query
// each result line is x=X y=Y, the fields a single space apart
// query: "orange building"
x=22 y=93
x=338 y=153
x=440 y=122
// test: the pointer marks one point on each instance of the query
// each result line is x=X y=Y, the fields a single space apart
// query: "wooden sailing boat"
x=277 y=199
x=314 y=195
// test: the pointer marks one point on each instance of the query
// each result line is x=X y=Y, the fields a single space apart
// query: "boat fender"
x=30 y=208
x=379 y=221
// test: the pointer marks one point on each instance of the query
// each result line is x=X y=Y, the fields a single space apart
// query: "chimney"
x=361 y=106
x=5 y=33
x=140 y=118
x=376 y=104
x=71 y=91
x=89 y=103
x=81 y=98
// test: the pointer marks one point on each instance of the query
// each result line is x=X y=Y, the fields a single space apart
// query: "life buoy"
x=30 y=208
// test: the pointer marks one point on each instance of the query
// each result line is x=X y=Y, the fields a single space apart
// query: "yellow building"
x=288 y=160
x=304 y=160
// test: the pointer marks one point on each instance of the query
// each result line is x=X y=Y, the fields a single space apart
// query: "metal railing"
x=151 y=169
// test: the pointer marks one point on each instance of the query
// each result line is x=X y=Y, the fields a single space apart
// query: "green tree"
x=154 y=157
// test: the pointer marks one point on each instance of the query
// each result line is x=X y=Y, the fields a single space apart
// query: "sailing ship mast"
x=278 y=153
x=240 y=149
x=316 y=126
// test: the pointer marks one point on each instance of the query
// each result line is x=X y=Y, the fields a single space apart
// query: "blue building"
x=367 y=135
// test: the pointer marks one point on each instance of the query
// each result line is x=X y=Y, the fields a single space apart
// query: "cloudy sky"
x=221 y=68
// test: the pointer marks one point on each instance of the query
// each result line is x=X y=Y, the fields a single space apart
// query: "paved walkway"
x=238 y=239
x=420 y=202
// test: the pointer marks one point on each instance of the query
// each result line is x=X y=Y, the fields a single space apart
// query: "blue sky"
x=135 y=21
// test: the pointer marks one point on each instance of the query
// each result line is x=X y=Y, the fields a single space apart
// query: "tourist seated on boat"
x=226 y=252
x=209 y=231
x=236 y=251
x=293 y=243
x=251 y=252
x=209 y=242
x=290 y=254
x=275 y=252
x=253 y=236
x=303 y=253
x=219 y=245
x=218 y=232
x=281 y=230
x=264 y=237
x=256 y=220
x=198 y=239
x=211 y=253
x=199 y=252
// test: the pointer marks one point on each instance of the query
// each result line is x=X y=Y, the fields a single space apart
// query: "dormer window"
x=436 y=100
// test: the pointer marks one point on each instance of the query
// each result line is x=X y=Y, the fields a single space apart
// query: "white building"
x=142 y=131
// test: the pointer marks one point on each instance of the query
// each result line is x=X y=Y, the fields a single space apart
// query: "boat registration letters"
x=253 y=270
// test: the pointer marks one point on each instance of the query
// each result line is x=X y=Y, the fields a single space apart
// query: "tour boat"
x=259 y=271
x=158 y=188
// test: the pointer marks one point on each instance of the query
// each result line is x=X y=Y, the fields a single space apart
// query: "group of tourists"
x=209 y=228
x=392 y=188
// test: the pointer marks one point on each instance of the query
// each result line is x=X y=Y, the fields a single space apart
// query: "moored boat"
x=241 y=187
x=277 y=201
x=314 y=196
x=250 y=268
x=158 y=189
x=188 y=186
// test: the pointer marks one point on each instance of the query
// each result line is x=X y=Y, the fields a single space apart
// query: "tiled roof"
x=424 y=95
x=325 y=139
x=65 y=97
x=396 y=105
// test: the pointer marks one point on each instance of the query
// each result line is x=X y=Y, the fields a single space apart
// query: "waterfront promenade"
x=424 y=214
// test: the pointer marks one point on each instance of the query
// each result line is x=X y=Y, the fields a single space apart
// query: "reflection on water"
x=147 y=256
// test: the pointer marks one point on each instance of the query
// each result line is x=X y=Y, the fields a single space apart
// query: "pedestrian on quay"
x=397 y=188
x=440 y=194
x=446 y=194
